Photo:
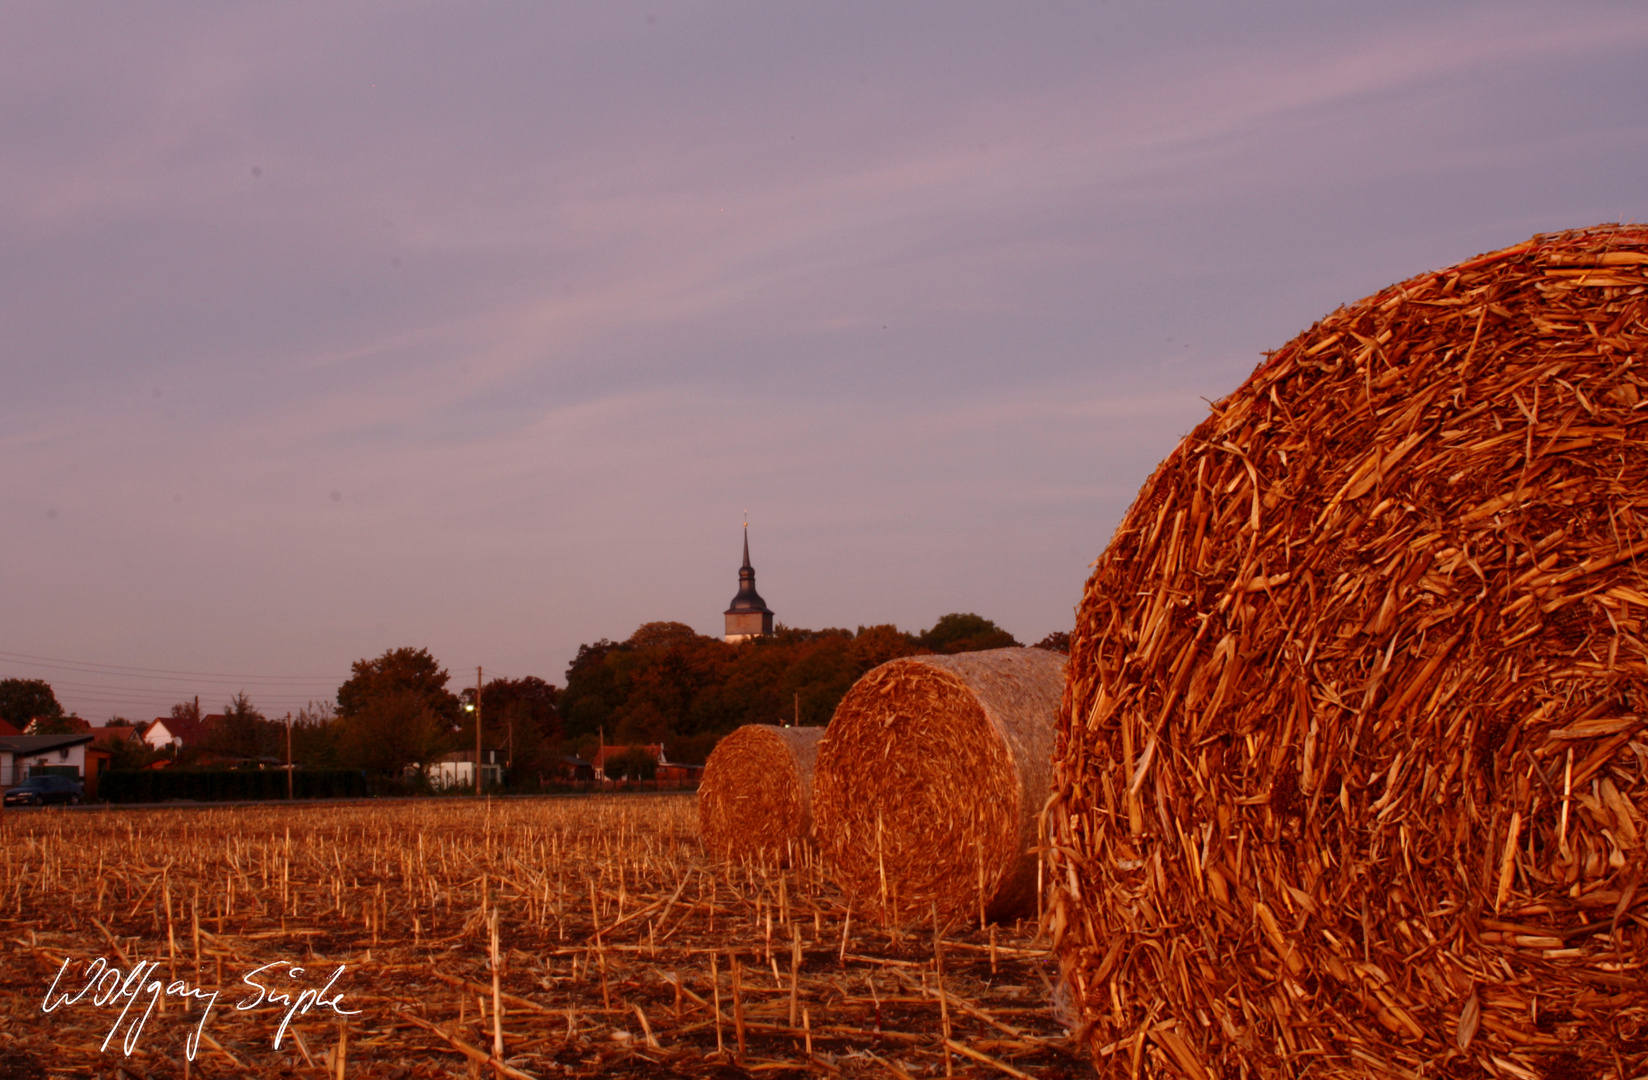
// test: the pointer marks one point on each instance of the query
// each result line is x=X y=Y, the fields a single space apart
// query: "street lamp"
x=470 y=707
x=476 y=709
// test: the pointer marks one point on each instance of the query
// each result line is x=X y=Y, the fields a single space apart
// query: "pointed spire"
x=748 y=616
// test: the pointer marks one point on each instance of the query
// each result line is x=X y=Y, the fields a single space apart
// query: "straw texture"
x=755 y=799
x=1350 y=773
x=929 y=779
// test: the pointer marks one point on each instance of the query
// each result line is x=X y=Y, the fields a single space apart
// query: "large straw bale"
x=1350 y=774
x=755 y=798
x=930 y=777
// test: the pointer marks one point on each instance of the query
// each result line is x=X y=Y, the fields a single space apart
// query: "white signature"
x=109 y=985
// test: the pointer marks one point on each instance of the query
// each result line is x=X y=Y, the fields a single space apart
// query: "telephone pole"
x=477 y=730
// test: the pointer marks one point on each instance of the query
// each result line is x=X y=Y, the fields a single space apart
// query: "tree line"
x=668 y=684
x=664 y=684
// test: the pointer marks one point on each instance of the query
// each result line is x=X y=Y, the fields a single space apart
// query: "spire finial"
x=746 y=544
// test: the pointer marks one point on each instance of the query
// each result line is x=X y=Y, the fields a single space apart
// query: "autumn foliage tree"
x=521 y=715
x=668 y=684
x=243 y=732
x=960 y=633
x=23 y=700
x=394 y=711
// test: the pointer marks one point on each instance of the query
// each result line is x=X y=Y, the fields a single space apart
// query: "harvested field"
x=1352 y=768
x=756 y=796
x=620 y=950
x=930 y=777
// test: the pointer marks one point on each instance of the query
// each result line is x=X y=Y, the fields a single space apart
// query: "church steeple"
x=749 y=615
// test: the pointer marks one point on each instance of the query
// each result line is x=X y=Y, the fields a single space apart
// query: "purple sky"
x=331 y=328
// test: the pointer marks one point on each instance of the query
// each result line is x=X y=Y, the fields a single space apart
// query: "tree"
x=187 y=711
x=659 y=635
x=875 y=645
x=640 y=723
x=958 y=633
x=633 y=764
x=1057 y=641
x=128 y=753
x=392 y=729
x=521 y=713
x=666 y=684
x=243 y=732
x=315 y=736
x=394 y=711
x=24 y=700
x=411 y=670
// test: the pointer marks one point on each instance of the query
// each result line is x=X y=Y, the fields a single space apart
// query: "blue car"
x=40 y=790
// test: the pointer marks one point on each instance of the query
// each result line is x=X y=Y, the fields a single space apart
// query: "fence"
x=165 y=785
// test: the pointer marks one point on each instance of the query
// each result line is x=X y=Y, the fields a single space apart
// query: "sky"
x=327 y=329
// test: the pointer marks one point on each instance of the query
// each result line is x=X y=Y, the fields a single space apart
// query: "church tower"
x=748 y=617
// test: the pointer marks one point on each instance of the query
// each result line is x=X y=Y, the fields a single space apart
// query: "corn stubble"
x=1350 y=775
x=583 y=937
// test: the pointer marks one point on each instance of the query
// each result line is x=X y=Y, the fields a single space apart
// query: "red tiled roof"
x=190 y=731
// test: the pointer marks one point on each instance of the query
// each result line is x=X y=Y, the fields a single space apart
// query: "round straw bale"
x=929 y=780
x=1350 y=772
x=756 y=795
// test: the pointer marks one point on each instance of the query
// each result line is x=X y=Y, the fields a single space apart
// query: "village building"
x=749 y=616
x=611 y=763
x=179 y=732
x=72 y=755
x=457 y=770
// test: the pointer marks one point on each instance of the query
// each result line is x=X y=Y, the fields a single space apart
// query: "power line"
x=270 y=693
x=151 y=693
x=158 y=673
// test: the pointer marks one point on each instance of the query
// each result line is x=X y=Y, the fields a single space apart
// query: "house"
x=161 y=732
x=677 y=772
x=22 y=756
x=574 y=769
x=179 y=732
x=104 y=736
x=6 y=728
x=457 y=770
x=606 y=756
x=665 y=768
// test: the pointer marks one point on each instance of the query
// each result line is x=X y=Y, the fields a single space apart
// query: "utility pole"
x=797 y=709
x=477 y=730
x=288 y=756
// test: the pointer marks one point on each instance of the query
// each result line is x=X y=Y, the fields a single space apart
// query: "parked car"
x=39 y=790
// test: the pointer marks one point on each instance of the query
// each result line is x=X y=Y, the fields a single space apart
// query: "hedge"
x=157 y=785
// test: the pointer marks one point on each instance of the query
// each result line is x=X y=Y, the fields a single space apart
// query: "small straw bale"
x=756 y=795
x=1350 y=767
x=930 y=777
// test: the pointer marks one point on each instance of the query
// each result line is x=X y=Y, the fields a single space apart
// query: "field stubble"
x=581 y=936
